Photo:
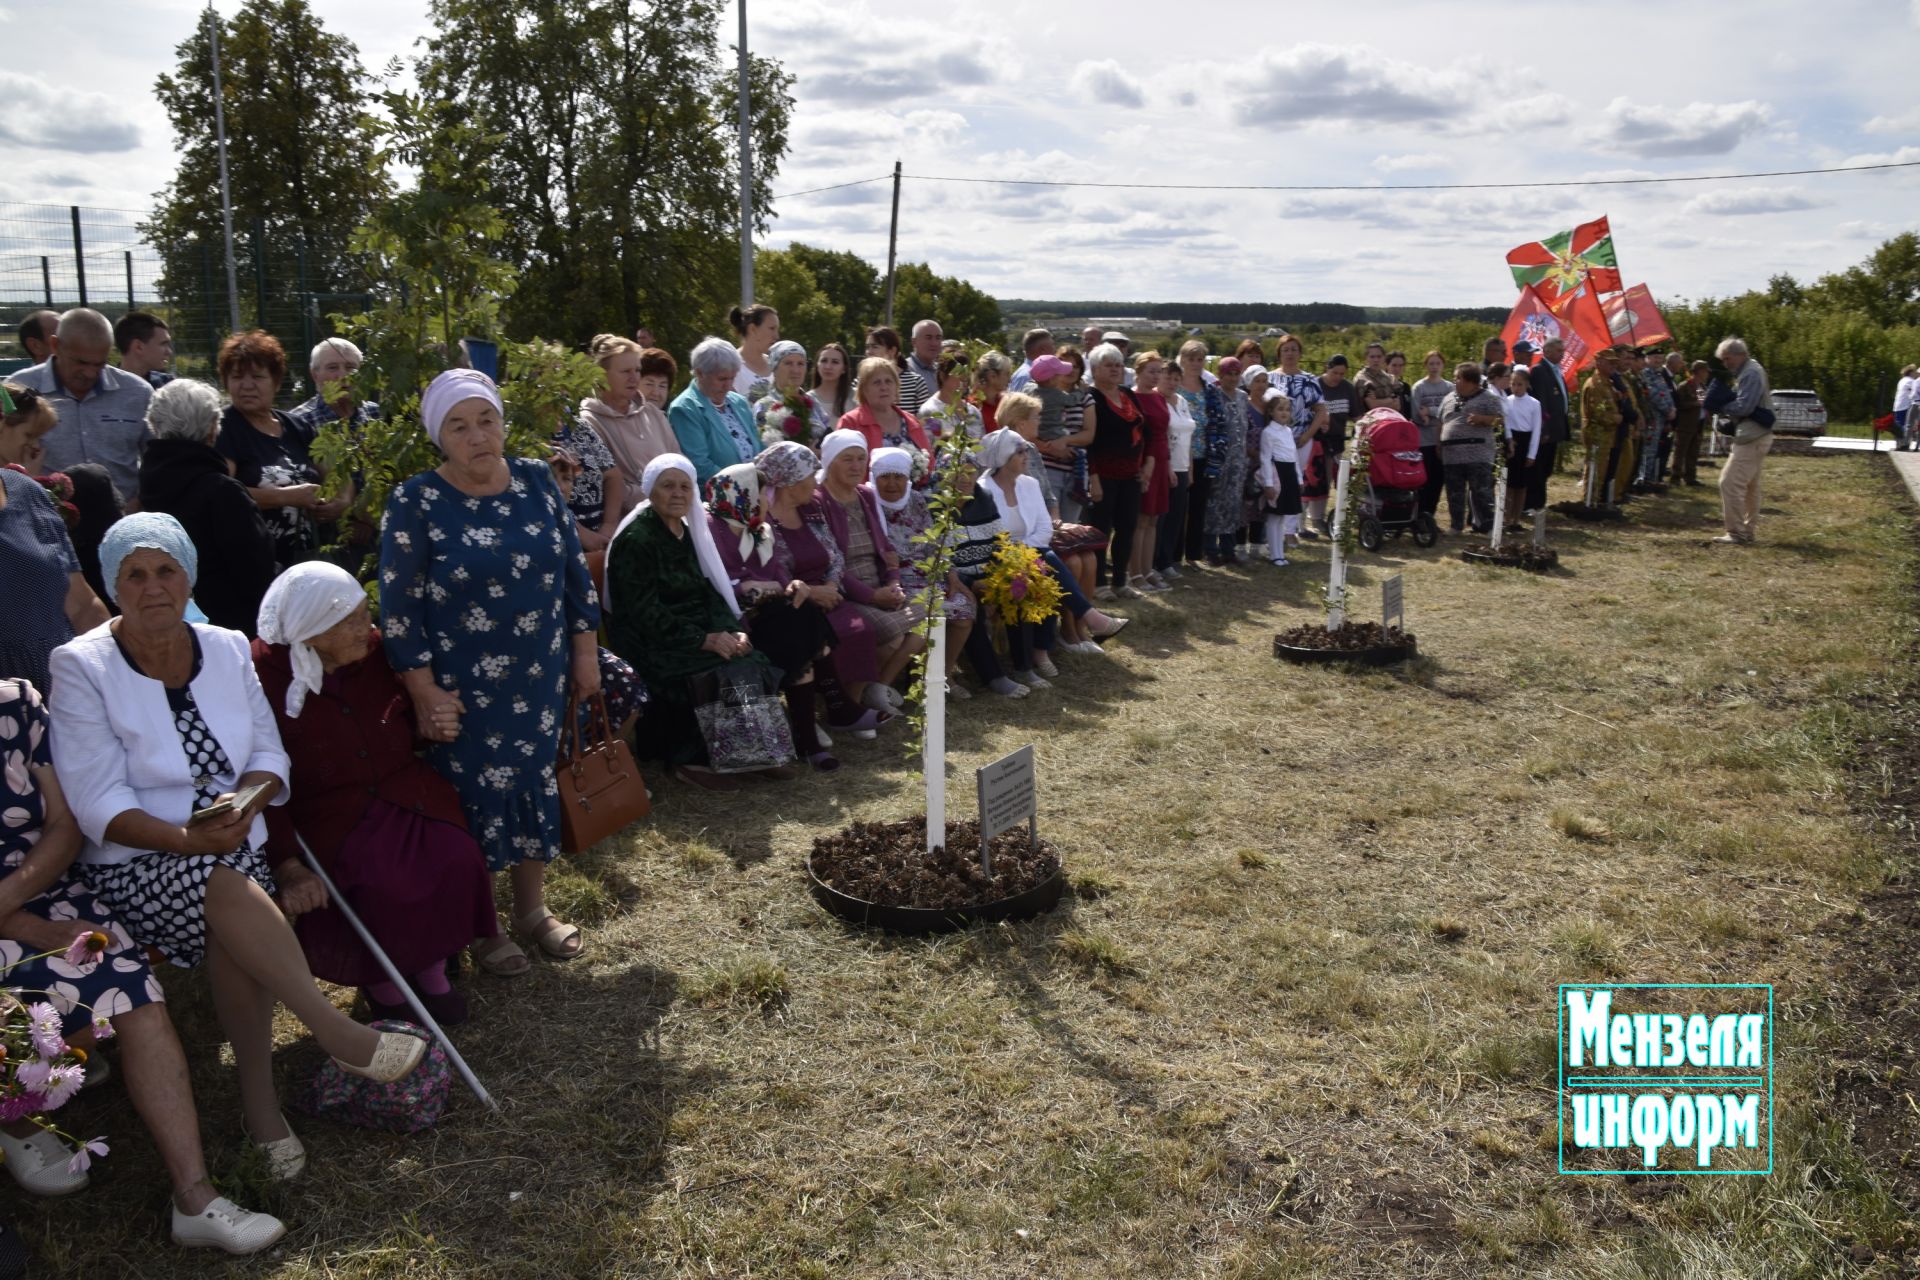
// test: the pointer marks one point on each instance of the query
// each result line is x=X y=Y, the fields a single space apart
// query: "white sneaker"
x=1044 y=665
x=1280 y=562
x=1171 y=573
x=1087 y=647
x=286 y=1158
x=225 y=1225
x=957 y=692
x=38 y=1162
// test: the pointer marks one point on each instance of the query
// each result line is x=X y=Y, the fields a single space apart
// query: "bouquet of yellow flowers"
x=1019 y=586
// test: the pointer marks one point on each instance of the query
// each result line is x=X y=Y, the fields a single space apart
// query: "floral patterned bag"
x=408 y=1105
x=741 y=718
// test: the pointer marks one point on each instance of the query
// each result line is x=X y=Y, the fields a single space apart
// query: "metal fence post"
x=46 y=278
x=305 y=297
x=79 y=253
x=213 y=325
x=131 y=304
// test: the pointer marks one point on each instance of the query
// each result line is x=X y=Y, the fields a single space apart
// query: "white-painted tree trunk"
x=933 y=749
x=1540 y=529
x=1499 y=510
x=1337 y=567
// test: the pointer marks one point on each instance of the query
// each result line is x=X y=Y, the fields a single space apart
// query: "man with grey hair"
x=102 y=410
x=184 y=476
x=331 y=369
x=1750 y=414
x=924 y=362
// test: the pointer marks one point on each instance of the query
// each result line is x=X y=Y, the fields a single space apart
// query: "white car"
x=1799 y=413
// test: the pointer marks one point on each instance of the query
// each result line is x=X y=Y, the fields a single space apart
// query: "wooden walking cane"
x=393 y=975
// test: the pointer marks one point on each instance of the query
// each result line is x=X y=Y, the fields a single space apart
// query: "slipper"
x=824 y=761
x=502 y=957
x=551 y=941
x=1119 y=625
x=707 y=778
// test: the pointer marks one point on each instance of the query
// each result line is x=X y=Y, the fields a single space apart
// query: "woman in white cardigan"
x=154 y=720
x=1023 y=509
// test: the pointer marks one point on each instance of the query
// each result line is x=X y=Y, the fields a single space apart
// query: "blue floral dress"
x=489 y=592
x=120 y=980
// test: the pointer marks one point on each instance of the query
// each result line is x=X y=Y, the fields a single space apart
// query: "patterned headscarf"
x=781 y=350
x=301 y=603
x=733 y=495
x=788 y=462
x=150 y=531
x=448 y=390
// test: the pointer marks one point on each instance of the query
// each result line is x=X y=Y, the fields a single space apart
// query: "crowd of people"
x=195 y=694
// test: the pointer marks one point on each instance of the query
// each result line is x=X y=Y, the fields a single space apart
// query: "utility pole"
x=746 y=173
x=226 y=191
x=893 y=238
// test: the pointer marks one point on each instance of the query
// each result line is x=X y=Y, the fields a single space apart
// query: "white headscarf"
x=704 y=552
x=448 y=390
x=892 y=461
x=301 y=603
x=998 y=447
x=836 y=443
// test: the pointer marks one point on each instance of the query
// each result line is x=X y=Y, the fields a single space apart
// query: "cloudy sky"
x=1432 y=91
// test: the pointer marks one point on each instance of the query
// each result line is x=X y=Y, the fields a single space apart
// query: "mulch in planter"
x=887 y=862
x=1513 y=555
x=1351 y=637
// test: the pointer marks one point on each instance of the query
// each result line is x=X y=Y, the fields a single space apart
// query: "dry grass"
x=1296 y=1018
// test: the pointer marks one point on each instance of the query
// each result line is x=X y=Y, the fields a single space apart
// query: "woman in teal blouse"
x=713 y=424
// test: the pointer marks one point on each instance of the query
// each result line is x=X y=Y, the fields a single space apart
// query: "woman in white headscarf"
x=488 y=614
x=908 y=520
x=672 y=613
x=872 y=576
x=388 y=829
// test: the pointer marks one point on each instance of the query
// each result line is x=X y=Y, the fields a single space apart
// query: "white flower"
x=476 y=619
x=403 y=539
x=496 y=590
x=435 y=532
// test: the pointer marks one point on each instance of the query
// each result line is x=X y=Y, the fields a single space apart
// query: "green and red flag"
x=1634 y=319
x=1575 y=319
x=1558 y=264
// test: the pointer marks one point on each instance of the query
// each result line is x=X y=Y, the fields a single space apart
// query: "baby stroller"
x=1395 y=476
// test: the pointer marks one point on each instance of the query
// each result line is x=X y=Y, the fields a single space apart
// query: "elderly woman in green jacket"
x=712 y=422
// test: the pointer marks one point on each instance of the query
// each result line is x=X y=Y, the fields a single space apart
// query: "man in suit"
x=1551 y=391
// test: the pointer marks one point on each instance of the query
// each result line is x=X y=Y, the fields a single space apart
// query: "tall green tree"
x=301 y=160
x=851 y=283
x=615 y=169
x=807 y=315
x=963 y=311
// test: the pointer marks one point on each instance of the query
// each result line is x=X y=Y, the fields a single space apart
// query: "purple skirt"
x=419 y=885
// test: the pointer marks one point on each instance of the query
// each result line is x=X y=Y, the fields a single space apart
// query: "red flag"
x=1575 y=319
x=1560 y=263
x=1632 y=318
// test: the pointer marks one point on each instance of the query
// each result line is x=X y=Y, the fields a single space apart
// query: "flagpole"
x=1633 y=332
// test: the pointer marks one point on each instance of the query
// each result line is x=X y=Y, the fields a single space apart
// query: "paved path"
x=1908 y=465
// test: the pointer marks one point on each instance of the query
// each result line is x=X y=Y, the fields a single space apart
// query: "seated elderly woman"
x=183 y=475
x=806 y=550
x=1022 y=507
x=909 y=519
x=169 y=753
x=44 y=908
x=634 y=430
x=667 y=617
x=788 y=360
x=871 y=571
x=712 y=422
x=389 y=830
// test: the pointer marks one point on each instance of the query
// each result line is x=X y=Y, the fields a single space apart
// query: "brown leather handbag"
x=601 y=790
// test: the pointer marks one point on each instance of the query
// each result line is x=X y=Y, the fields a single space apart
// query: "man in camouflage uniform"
x=1659 y=397
x=1623 y=376
x=1599 y=432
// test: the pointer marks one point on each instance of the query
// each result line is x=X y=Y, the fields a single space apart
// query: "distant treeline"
x=1256 y=313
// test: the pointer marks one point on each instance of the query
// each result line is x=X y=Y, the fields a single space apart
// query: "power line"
x=1390 y=186
x=857 y=182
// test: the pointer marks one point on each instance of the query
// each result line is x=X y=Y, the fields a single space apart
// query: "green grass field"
x=1296 y=1017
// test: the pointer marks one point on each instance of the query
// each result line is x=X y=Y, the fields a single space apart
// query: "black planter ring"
x=1379 y=655
x=1042 y=897
x=1551 y=561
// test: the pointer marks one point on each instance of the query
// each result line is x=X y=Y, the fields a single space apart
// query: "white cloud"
x=1905 y=155
x=1752 y=200
x=39 y=115
x=1285 y=88
x=1107 y=82
x=1907 y=122
x=1418 y=160
x=1697 y=129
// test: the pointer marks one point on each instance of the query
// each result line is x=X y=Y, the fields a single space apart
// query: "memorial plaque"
x=1008 y=797
x=1393 y=602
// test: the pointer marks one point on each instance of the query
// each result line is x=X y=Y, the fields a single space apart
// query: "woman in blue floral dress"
x=487 y=613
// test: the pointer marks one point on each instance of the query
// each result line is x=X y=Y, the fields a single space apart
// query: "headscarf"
x=781 y=350
x=704 y=552
x=998 y=448
x=836 y=443
x=1253 y=371
x=892 y=461
x=789 y=462
x=301 y=603
x=448 y=390
x=151 y=531
x=733 y=495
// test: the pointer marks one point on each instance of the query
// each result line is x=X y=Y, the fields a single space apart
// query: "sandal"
x=552 y=941
x=501 y=957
